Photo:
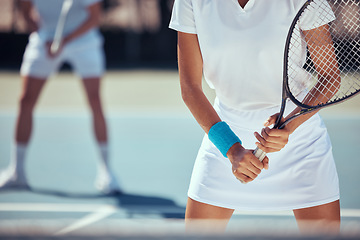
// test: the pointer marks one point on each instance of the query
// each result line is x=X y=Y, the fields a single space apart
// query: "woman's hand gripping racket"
x=321 y=58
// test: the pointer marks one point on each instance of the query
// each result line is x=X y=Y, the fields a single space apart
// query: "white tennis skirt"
x=301 y=175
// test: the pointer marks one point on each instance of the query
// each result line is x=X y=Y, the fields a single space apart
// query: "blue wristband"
x=222 y=137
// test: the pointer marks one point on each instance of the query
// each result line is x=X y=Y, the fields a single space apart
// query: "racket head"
x=321 y=57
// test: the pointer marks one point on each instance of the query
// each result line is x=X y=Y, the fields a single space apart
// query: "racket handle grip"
x=55 y=47
x=260 y=154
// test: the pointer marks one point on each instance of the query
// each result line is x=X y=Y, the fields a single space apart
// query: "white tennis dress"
x=242 y=50
x=84 y=53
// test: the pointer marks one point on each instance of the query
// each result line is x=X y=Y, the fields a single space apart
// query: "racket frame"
x=54 y=48
x=286 y=93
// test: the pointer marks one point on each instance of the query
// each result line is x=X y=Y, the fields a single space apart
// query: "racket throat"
x=281 y=114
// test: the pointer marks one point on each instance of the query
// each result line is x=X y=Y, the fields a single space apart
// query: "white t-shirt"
x=242 y=48
x=49 y=12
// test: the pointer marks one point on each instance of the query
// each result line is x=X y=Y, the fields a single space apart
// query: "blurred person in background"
x=82 y=48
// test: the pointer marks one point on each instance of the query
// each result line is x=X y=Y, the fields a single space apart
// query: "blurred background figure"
x=82 y=48
x=135 y=31
x=122 y=33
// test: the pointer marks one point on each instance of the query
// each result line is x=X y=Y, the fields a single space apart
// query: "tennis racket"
x=321 y=58
x=60 y=26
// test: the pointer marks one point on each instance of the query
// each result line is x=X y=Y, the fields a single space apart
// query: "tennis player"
x=82 y=48
x=238 y=45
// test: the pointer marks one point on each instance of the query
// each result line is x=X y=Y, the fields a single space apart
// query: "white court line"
x=346 y=212
x=49 y=207
x=99 y=214
x=350 y=212
x=55 y=207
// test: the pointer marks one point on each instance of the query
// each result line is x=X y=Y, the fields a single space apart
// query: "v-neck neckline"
x=247 y=6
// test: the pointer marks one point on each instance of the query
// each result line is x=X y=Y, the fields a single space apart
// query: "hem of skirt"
x=280 y=208
x=28 y=73
x=47 y=76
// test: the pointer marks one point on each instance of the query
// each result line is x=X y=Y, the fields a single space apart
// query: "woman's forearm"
x=91 y=22
x=190 y=71
x=294 y=124
x=26 y=11
x=200 y=107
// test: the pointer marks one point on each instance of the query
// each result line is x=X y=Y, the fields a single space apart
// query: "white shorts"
x=87 y=60
x=301 y=175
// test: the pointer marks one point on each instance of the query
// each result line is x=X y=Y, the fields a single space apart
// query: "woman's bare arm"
x=26 y=9
x=246 y=166
x=91 y=22
x=191 y=70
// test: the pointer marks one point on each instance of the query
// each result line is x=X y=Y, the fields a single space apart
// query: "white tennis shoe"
x=107 y=183
x=10 y=179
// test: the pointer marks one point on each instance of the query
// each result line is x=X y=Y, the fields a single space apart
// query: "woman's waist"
x=44 y=35
x=248 y=119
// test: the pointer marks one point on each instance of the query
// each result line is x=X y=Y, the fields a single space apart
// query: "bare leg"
x=324 y=219
x=31 y=90
x=14 y=175
x=201 y=217
x=105 y=181
x=92 y=88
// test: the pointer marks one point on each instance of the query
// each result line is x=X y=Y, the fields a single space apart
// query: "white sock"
x=18 y=160
x=104 y=156
x=106 y=181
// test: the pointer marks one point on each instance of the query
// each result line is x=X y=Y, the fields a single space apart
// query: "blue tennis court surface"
x=152 y=154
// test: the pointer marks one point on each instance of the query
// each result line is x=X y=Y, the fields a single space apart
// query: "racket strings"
x=323 y=63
